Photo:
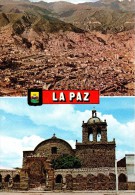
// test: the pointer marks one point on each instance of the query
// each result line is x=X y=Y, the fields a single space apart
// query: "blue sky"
x=22 y=127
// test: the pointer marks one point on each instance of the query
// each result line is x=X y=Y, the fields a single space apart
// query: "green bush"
x=66 y=162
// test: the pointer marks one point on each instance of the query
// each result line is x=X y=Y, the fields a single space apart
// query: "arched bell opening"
x=98 y=134
x=90 y=134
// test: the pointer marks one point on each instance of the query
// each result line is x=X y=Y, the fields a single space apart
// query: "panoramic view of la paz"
x=67 y=45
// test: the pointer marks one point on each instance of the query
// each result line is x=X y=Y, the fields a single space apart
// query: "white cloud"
x=63 y=117
x=72 y=143
x=11 y=149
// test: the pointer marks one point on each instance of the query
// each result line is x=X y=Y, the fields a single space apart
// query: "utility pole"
x=116 y=173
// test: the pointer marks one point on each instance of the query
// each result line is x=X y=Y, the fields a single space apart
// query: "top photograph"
x=67 y=45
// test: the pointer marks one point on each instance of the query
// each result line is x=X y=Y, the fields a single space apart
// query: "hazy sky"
x=23 y=127
x=72 y=1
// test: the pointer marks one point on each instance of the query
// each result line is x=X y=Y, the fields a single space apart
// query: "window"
x=54 y=150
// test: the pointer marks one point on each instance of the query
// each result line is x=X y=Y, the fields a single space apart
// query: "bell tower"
x=94 y=130
x=95 y=149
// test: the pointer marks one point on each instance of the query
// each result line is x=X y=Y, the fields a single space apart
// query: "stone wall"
x=92 y=178
x=85 y=171
x=62 y=148
x=38 y=172
x=96 y=154
x=45 y=149
x=12 y=172
x=10 y=179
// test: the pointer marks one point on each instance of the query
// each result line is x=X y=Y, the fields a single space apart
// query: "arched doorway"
x=58 y=182
x=0 y=181
x=103 y=180
x=91 y=181
x=58 y=179
x=16 y=179
x=123 y=185
x=6 y=179
x=0 y=178
x=122 y=178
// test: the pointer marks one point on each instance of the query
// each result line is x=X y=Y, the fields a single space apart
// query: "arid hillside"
x=38 y=49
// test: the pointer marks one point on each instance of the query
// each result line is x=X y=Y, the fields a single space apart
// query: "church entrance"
x=40 y=173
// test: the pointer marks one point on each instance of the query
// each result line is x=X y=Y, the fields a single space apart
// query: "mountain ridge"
x=105 y=16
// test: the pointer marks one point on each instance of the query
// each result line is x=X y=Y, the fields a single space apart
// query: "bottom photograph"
x=67 y=148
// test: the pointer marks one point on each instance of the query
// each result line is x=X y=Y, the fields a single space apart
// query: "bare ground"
x=68 y=193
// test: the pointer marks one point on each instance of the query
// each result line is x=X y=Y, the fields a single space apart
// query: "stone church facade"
x=97 y=156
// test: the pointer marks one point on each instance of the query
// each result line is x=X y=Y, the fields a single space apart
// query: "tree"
x=65 y=162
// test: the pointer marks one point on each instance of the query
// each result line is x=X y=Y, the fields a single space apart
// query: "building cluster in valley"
x=66 y=61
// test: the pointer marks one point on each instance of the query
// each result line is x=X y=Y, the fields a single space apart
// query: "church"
x=96 y=155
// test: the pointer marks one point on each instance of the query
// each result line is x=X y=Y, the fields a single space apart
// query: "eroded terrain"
x=66 y=60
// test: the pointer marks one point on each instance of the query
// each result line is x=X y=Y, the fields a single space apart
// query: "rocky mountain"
x=106 y=21
x=111 y=16
x=104 y=15
x=124 y=5
x=24 y=15
x=21 y=22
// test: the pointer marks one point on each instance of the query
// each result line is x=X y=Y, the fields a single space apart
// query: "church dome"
x=94 y=118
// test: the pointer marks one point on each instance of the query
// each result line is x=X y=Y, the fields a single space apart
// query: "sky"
x=22 y=127
x=72 y=1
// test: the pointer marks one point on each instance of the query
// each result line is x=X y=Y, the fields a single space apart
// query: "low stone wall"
x=8 y=179
x=73 y=179
x=12 y=173
x=92 y=178
x=94 y=171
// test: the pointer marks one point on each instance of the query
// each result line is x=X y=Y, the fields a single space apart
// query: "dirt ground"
x=68 y=193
